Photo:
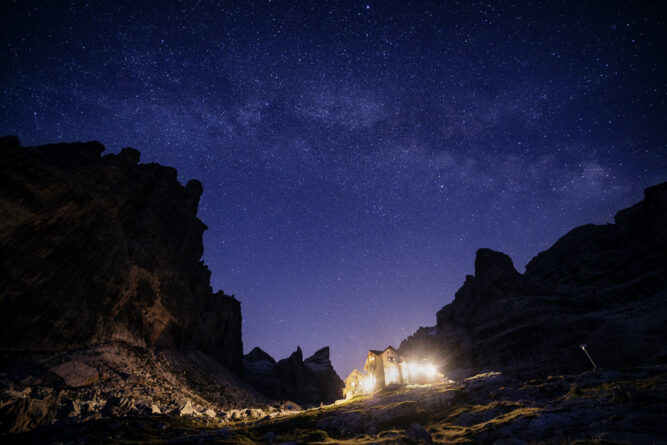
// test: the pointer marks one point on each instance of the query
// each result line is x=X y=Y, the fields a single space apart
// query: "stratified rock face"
x=98 y=248
x=307 y=382
x=605 y=286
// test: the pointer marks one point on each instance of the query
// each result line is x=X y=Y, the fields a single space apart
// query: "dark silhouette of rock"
x=605 y=286
x=257 y=355
x=99 y=248
x=306 y=382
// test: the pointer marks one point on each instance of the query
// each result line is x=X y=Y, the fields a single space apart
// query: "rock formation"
x=308 y=382
x=100 y=248
x=115 y=380
x=106 y=306
x=605 y=286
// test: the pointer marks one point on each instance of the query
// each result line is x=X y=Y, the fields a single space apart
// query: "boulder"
x=418 y=434
x=76 y=373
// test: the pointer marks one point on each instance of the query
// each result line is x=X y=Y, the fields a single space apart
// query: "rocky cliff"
x=308 y=382
x=97 y=248
x=605 y=286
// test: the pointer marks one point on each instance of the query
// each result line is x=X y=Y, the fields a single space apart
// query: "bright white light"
x=392 y=376
x=417 y=371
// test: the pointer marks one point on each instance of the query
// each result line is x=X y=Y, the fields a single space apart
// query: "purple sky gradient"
x=355 y=155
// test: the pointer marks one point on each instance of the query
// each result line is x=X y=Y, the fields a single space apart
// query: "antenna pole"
x=583 y=348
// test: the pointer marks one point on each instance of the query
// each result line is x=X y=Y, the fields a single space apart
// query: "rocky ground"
x=601 y=407
x=115 y=380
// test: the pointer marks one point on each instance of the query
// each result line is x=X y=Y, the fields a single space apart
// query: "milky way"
x=355 y=155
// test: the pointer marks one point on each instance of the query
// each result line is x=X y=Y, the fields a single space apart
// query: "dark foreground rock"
x=307 y=382
x=100 y=248
x=626 y=406
x=115 y=380
x=604 y=286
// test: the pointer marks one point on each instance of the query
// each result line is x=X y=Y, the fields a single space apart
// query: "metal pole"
x=583 y=348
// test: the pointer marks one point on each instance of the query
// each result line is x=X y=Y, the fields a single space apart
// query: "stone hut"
x=384 y=367
x=355 y=384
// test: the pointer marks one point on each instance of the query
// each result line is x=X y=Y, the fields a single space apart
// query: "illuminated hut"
x=356 y=383
x=387 y=367
x=383 y=367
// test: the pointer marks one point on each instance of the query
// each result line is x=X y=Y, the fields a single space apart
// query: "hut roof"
x=377 y=352
x=353 y=373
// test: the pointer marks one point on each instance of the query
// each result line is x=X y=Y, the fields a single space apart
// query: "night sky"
x=355 y=155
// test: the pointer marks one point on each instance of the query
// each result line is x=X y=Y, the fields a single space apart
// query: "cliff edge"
x=600 y=285
x=99 y=249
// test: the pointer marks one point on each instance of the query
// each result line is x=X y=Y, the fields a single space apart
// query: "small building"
x=355 y=384
x=384 y=367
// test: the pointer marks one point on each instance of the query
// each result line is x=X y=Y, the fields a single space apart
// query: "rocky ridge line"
x=602 y=285
x=307 y=382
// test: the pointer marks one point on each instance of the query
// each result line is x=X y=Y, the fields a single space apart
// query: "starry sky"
x=354 y=155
